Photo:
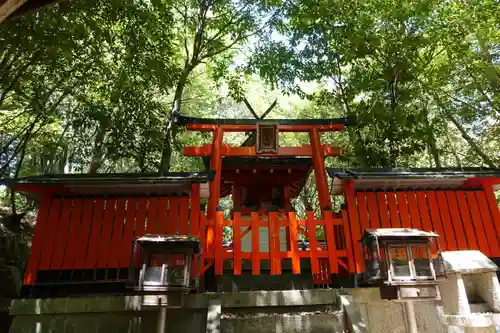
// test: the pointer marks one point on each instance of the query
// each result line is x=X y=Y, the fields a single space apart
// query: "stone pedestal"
x=471 y=293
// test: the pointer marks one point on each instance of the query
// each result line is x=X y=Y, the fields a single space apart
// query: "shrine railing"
x=324 y=258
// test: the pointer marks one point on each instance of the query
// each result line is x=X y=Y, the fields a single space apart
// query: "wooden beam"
x=303 y=151
x=253 y=128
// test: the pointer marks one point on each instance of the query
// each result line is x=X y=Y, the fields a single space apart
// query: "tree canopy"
x=90 y=86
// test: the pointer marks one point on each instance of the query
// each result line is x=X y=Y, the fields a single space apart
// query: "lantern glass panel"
x=175 y=269
x=154 y=269
x=420 y=255
x=400 y=263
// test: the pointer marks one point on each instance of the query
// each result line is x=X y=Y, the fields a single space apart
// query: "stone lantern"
x=404 y=263
x=165 y=266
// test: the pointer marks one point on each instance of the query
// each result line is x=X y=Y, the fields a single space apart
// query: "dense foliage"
x=91 y=85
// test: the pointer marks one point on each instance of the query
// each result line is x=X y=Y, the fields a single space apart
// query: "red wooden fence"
x=97 y=233
x=464 y=219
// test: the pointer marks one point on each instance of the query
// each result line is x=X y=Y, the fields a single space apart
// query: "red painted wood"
x=348 y=242
x=330 y=241
x=95 y=234
x=62 y=235
x=236 y=243
x=162 y=215
x=318 y=157
x=219 y=236
x=424 y=212
x=488 y=224
x=393 y=210
x=252 y=128
x=84 y=234
x=477 y=223
x=194 y=219
x=128 y=232
x=493 y=208
x=294 y=243
x=38 y=238
x=140 y=217
x=383 y=210
x=152 y=216
x=446 y=221
x=456 y=220
x=215 y=185
x=404 y=211
x=363 y=210
x=371 y=201
x=183 y=215
x=436 y=218
x=118 y=225
x=74 y=228
x=313 y=243
x=51 y=234
x=255 y=244
x=173 y=216
x=472 y=242
x=355 y=233
x=105 y=245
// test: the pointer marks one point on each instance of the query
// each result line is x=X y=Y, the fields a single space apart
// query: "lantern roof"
x=398 y=232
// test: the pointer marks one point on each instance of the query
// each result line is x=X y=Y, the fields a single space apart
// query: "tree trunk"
x=170 y=131
x=470 y=141
x=97 y=154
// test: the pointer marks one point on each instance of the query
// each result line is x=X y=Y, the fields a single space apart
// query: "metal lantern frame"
x=379 y=264
x=165 y=247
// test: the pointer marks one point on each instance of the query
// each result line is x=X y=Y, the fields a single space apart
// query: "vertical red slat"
x=275 y=256
x=294 y=243
x=446 y=221
x=140 y=217
x=83 y=234
x=194 y=219
x=271 y=244
x=456 y=220
x=255 y=244
x=478 y=223
x=236 y=243
x=162 y=215
x=330 y=241
x=350 y=198
x=313 y=243
x=74 y=228
x=118 y=226
x=363 y=212
x=488 y=224
x=371 y=200
x=423 y=210
x=436 y=218
x=183 y=215
x=393 y=210
x=152 y=216
x=106 y=244
x=62 y=235
x=383 y=210
x=493 y=208
x=95 y=234
x=38 y=238
x=51 y=233
x=404 y=212
x=348 y=242
x=128 y=232
x=219 y=236
x=172 y=216
x=472 y=242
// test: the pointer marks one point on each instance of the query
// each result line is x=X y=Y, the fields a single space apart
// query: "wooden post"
x=330 y=239
x=313 y=243
x=356 y=262
x=255 y=244
x=215 y=166
x=319 y=169
x=219 y=236
x=294 y=243
x=236 y=244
